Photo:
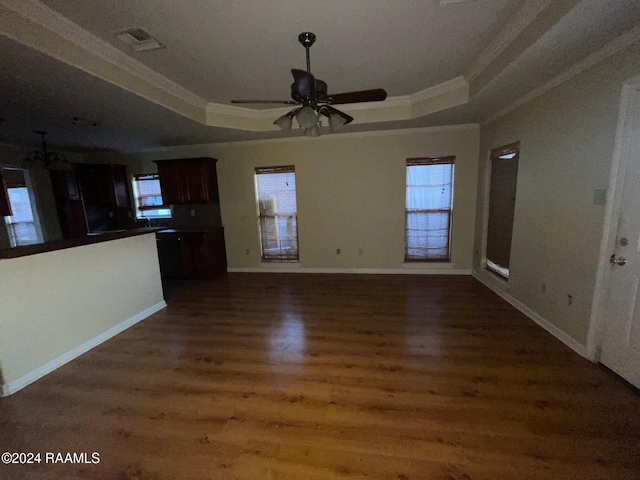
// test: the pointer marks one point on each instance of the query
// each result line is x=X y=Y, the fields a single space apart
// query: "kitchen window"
x=429 y=207
x=277 y=213
x=22 y=225
x=146 y=188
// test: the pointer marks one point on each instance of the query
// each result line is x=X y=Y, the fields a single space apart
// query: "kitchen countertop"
x=75 y=242
x=187 y=230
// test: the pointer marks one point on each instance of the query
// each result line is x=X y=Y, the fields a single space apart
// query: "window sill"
x=434 y=264
x=280 y=264
x=494 y=279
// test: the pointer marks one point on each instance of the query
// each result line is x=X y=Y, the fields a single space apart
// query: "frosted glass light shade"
x=307 y=117
x=313 y=131
x=284 y=122
x=335 y=122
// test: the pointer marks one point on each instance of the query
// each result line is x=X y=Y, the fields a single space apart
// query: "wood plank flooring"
x=323 y=377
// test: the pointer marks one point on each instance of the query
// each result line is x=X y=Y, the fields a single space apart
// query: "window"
x=502 y=202
x=21 y=226
x=277 y=213
x=429 y=206
x=146 y=188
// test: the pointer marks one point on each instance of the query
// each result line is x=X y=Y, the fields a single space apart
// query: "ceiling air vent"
x=139 y=39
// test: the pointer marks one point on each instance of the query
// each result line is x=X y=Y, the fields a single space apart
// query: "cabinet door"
x=5 y=205
x=73 y=222
x=119 y=186
x=218 y=251
x=196 y=181
x=170 y=255
x=65 y=186
x=188 y=181
x=196 y=254
x=171 y=177
x=93 y=180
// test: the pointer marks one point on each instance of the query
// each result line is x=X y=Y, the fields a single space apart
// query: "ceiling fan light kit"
x=307 y=117
x=335 y=122
x=311 y=94
x=285 y=122
x=313 y=131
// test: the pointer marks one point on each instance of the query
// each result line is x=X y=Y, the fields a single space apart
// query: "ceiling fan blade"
x=286 y=102
x=327 y=110
x=304 y=82
x=376 y=95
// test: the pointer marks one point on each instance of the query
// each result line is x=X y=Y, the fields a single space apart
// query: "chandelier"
x=46 y=159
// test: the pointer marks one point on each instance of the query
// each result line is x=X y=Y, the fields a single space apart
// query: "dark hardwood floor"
x=322 y=377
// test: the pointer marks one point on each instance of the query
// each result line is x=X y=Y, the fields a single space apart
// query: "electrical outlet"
x=569 y=299
x=110 y=214
x=337 y=251
x=246 y=252
x=193 y=213
x=360 y=251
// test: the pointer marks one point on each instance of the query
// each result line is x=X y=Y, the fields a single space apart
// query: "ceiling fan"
x=311 y=95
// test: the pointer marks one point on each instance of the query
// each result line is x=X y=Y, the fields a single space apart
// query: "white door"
x=621 y=321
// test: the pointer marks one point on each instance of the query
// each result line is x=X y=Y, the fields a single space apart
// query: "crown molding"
x=511 y=30
x=35 y=25
x=324 y=138
x=626 y=39
x=51 y=21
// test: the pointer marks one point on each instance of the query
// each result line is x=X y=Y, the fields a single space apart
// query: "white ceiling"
x=221 y=50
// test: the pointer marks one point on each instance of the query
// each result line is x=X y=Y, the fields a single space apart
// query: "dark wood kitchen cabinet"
x=118 y=185
x=191 y=253
x=104 y=184
x=66 y=193
x=5 y=205
x=188 y=181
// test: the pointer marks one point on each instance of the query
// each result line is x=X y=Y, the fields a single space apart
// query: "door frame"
x=627 y=118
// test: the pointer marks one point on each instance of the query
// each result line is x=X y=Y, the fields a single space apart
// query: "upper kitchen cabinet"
x=5 y=206
x=105 y=184
x=188 y=181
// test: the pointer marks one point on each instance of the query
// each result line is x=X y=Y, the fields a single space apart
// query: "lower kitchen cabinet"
x=191 y=253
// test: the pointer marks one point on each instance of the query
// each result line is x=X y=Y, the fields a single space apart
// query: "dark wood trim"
x=412 y=162
x=282 y=169
x=511 y=148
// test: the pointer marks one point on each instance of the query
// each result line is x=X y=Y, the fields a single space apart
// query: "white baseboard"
x=541 y=321
x=371 y=271
x=18 y=384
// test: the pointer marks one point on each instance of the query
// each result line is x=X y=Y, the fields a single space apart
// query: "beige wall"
x=53 y=302
x=350 y=192
x=567 y=139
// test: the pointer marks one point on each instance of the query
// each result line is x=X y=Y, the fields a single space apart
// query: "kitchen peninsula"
x=62 y=298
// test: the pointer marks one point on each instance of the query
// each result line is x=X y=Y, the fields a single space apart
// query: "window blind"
x=429 y=204
x=149 y=196
x=277 y=213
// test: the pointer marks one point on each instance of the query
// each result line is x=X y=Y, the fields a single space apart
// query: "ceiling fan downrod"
x=307 y=39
